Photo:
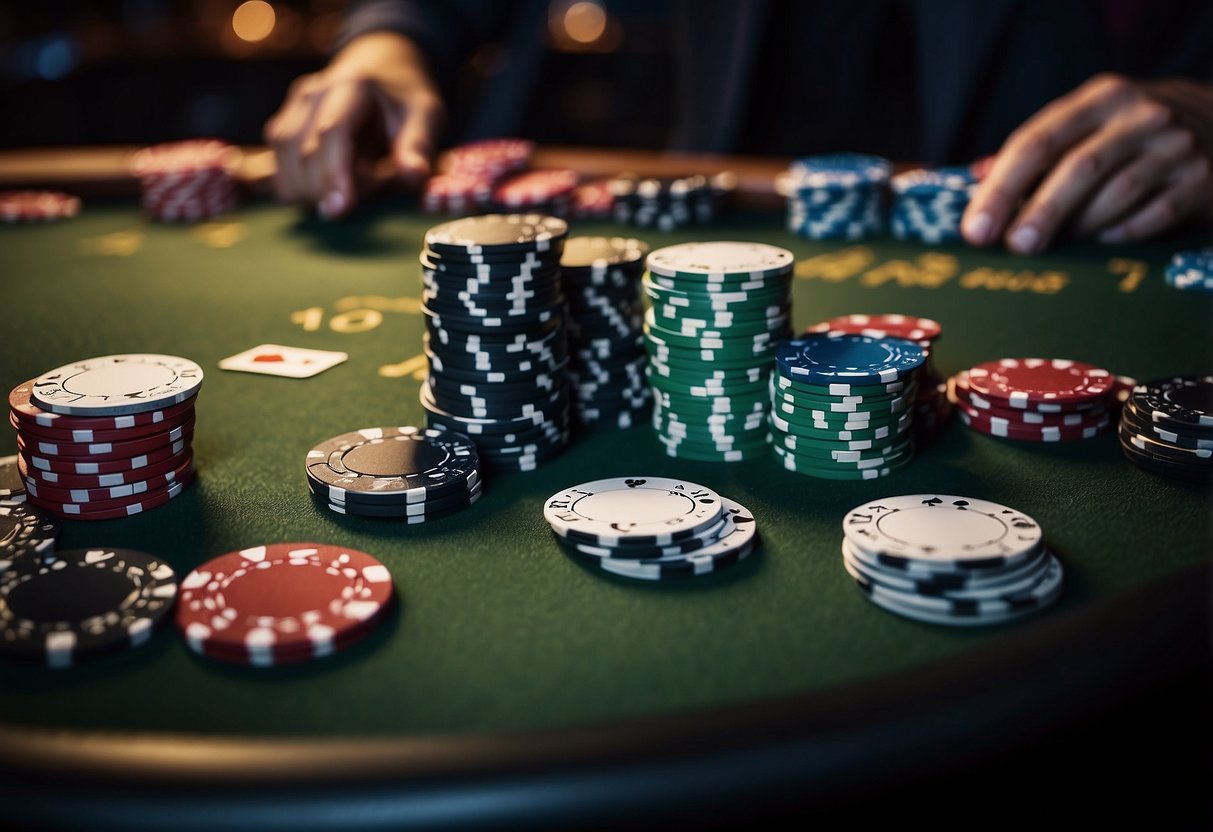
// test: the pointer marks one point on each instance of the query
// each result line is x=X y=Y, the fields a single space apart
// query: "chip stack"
x=548 y=191
x=37 y=206
x=1166 y=427
x=717 y=310
x=592 y=200
x=932 y=409
x=107 y=437
x=666 y=204
x=956 y=561
x=842 y=405
x=283 y=603
x=187 y=181
x=68 y=605
x=651 y=528
x=408 y=474
x=469 y=173
x=606 y=343
x=1191 y=270
x=838 y=196
x=1035 y=399
x=495 y=335
x=929 y=204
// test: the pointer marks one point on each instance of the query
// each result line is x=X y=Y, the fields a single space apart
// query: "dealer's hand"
x=378 y=82
x=1115 y=159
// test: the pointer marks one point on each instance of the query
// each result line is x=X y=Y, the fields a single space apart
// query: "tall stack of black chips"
x=606 y=340
x=495 y=339
x=1166 y=427
x=666 y=204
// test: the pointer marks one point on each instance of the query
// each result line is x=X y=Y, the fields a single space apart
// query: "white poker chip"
x=725 y=551
x=943 y=532
x=632 y=510
x=721 y=260
x=115 y=385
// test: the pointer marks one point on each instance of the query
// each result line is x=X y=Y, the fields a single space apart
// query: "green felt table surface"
x=496 y=627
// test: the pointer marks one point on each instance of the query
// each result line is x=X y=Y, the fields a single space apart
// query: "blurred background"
x=138 y=71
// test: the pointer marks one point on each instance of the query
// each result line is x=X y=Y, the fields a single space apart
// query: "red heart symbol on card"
x=268 y=357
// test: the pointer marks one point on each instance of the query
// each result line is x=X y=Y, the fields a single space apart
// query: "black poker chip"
x=12 y=487
x=24 y=531
x=498 y=234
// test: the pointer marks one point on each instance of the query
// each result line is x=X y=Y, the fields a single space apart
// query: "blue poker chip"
x=1191 y=270
x=935 y=182
x=830 y=358
x=841 y=170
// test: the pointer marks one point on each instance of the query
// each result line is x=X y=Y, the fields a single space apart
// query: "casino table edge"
x=808 y=748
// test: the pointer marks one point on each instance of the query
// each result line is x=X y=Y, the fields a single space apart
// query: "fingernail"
x=1025 y=239
x=978 y=228
x=1113 y=235
x=333 y=204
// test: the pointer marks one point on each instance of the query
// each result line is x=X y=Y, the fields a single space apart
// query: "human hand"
x=1114 y=159
x=378 y=83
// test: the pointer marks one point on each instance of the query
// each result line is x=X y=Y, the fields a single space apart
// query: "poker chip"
x=1166 y=427
x=106 y=437
x=545 y=190
x=112 y=385
x=850 y=361
x=716 y=311
x=835 y=196
x=508 y=236
x=24 y=531
x=188 y=181
x=389 y=471
x=282 y=603
x=1191 y=270
x=593 y=200
x=928 y=204
x=651 y=528
x=456 y=193
x=37 y=206
x=667 y=204
x=81 y=603
x=493 y=158
x=954 y=561
x=601 y=280
x=12 y=487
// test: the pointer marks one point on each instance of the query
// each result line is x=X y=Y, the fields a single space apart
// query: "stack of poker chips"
x=666 y=204
x=592 y=200
x=544 y=191
x=651 y=528
x=1035 y=399
x=63 y=606
x=469 y=173
x=928 y=204
x=495 y=335
x=1192 y=270
x=717 y=310
x=187 y=181
x=407 y=474
x=107 y=437
x=37 y=206
x=837 y=196
x=842 y=405
x=932 y=409
x=283 y=603
x=957 y=561
x=1166 y=427
x=606 y=344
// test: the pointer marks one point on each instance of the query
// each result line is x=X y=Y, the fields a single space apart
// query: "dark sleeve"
x=446 y=31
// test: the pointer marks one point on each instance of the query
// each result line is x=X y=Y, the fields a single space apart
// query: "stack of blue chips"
x=1192 y=270
x=929 y=204
x=837 y=196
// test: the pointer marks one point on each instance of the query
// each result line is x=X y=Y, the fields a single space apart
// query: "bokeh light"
x=253 y=21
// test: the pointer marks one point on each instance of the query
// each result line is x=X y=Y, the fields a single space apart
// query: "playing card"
x=277 y=360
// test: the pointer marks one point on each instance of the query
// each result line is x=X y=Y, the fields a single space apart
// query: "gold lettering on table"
x=929 y=270
x=408 y=306
x=835 y=266
x=355 y=321
x=117 y=244
x=1048 y=282
x=1134 y=272
x=417 y=367
x=310 y=318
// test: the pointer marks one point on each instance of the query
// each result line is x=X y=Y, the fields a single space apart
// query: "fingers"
x=1189 y=185
x=285 y=133
x=1079 y=172
x=331 y=161
x=413 y=145
x=1132 y=183
x=1034 y=148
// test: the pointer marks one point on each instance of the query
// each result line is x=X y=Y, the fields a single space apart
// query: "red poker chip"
x=83 y=507
x=140 y=504
x=36 y=431
x=494 y=157
x=187 y=181
x=592 y=200
x=37 y=206
x=75 y=465
x=920 y=330
x=535 y=188
x=456 y=192
x=1031 y=433
x=962 y=396
x=54 y=479
x=1047 y=385
x=282 y=602
x=1122 y=389
x=104 y=451
x=22 y=404
x=113 y=492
